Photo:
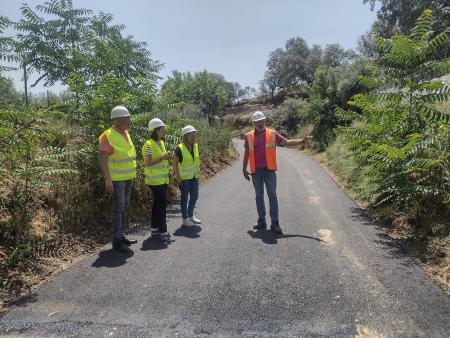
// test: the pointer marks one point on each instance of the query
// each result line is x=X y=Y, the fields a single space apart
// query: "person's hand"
x=246 y=175
x=167 y=156
x=109 y=186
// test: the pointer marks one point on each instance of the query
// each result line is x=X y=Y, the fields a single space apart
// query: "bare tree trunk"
x=25 y=83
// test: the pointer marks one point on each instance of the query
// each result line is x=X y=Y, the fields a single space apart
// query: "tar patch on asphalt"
x=326 y=236
x=315 y=200
x=365 y=332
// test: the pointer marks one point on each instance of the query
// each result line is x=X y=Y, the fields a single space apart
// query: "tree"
x=263 y=89
x=332 y=88
x=288 y=116
x=55 y=48
x=6 y=47
x=87 y=53
x=398 y=131
x=295 y=63
x=335 y=55
x=314 y=60
x=208 y=90
x=399 y=17
x=289 y=69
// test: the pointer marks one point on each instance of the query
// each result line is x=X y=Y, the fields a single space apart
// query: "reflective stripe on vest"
x=190 y=167
x=156 y=174
x=270 y=146
x=122 y=162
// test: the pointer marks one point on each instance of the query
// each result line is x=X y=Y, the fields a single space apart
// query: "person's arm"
x=293 y=143
x=103 y=159
x=149 y=160
x=245 y=164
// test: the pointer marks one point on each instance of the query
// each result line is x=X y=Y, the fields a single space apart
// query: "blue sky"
x=231 y=37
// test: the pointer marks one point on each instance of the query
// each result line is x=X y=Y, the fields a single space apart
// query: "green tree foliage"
x=289 y=68
x=332 y=88
x=6 y=47
x=84 y=51
x=398 y=130
x=209 y=91
x=399 y=17
x=290 y=115
x=56 y=47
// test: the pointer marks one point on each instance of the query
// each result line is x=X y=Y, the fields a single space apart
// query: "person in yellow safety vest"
x=117 y=158
x=186 y=169
x=156 y=172
x=260 y=151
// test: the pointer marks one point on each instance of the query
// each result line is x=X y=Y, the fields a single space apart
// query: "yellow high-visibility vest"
x=122 y=162
x=158 y=173
x=190 y=167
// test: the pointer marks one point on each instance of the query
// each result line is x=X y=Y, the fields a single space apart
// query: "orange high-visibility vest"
x=271 y=149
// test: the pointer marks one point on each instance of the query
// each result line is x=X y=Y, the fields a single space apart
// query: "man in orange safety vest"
x=261 y=152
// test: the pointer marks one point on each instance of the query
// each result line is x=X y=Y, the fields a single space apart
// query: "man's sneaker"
x=187 y=223
x=116 y=243
x=155 y=232
x=275 y=227
x=129 y=241
x=120 y=246
x=260 y=226
x=195 y=220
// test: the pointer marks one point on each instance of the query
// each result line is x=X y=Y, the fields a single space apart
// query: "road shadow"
x=188 y=232
x=269 y=237
x=392 y=247
x=23 y=301
x=153 y=243
x=111 y=259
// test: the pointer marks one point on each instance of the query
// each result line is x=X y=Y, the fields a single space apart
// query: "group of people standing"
x=117 y=157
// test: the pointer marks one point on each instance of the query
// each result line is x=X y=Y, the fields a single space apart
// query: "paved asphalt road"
x=331 y=274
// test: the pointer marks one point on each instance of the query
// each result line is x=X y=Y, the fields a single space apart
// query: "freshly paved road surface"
x=332 y=273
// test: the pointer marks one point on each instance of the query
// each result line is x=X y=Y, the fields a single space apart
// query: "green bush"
x=289 y=116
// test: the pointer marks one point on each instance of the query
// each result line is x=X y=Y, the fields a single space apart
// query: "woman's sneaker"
x=195 y=220
x=167 y=237
x=187 y=222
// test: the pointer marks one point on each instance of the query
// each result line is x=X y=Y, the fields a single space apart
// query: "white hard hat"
x=155 y=123
x=258 y=116
x=119 y=111
x=187 y=130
